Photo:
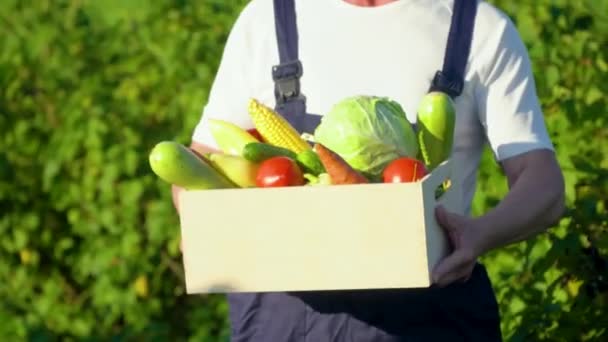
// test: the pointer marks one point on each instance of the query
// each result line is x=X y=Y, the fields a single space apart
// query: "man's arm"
x=510 y=113
x=534 y=203
x=232 y=86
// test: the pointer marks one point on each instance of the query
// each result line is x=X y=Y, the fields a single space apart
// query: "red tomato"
x=256 y=134
x=279 y=171
x=403 y=170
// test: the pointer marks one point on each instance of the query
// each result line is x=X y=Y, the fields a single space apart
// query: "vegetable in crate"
x=368 y=132
x=278 y=172
x=239 y=170
x=339 y=171
x=254 y=132
x=275 y=129
x=404 y=170
x=321 y=179
x=229 y=137
x=178 y=165
x=436 y=119
x=258 y=152
x=310 y=162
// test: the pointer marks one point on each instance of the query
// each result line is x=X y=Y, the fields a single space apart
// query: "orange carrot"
x=338 y=169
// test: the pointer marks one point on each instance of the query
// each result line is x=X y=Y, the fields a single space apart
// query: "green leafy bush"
x=89 y=238
x=555 y=287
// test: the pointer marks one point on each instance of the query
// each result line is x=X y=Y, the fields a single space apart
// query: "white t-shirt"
x=392 y=50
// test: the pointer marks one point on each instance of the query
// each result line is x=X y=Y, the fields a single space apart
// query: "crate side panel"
x=305 y=238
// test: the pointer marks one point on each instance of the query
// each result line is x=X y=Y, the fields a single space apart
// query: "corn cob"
x=275 y=129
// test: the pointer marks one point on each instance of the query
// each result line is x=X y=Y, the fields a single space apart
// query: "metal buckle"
x=443 y=83
x=286 y=78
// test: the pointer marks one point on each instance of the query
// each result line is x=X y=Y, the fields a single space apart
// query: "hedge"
x=88 y=235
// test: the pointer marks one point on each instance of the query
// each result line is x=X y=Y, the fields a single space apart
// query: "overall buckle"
x=286 y=78
x=442 y=82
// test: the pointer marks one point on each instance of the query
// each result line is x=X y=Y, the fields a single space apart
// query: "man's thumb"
x=445 y=218
x=449 y=222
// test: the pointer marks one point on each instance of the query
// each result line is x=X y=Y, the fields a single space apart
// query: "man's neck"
x=369 y=3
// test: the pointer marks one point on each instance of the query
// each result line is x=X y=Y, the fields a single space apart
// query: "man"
x=394 y=48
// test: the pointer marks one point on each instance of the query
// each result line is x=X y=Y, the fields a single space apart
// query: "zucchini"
x=176 y=164
x=259 y=151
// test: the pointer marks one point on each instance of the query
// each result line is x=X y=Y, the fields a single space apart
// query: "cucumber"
x=258 y=152
x=178 y=165
x=310 y=162
x=435 y=128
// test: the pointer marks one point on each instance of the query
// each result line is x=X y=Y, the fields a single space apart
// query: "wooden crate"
x=365 y=236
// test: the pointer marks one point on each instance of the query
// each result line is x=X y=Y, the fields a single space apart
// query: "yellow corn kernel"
x=275 y=129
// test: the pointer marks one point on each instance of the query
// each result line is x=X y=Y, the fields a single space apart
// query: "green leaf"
x=593 y=95
x=552 y=75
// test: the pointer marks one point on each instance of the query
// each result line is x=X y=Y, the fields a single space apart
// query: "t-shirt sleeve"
x=231 y=88
x=508 y=105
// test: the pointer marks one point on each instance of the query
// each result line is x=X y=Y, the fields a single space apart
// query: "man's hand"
x=462 y=234
x=534 y=203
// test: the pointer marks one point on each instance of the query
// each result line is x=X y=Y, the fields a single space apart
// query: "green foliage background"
x=88 y=236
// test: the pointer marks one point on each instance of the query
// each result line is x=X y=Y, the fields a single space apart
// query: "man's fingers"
x=450 y=278
x=467 y=275
x=452 y=267
x=459 y=264
x=461 y=274
x=450 y=264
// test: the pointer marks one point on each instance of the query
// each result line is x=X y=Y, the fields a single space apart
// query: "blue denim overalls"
x=460 y=312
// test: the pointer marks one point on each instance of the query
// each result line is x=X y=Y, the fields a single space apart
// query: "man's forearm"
x=175 y=196
x=534 y=203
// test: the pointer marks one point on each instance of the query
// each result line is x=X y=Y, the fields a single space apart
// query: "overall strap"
x=287 y=74
x=450 y=79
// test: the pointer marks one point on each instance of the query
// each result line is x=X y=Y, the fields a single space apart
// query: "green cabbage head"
x=368 y=132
